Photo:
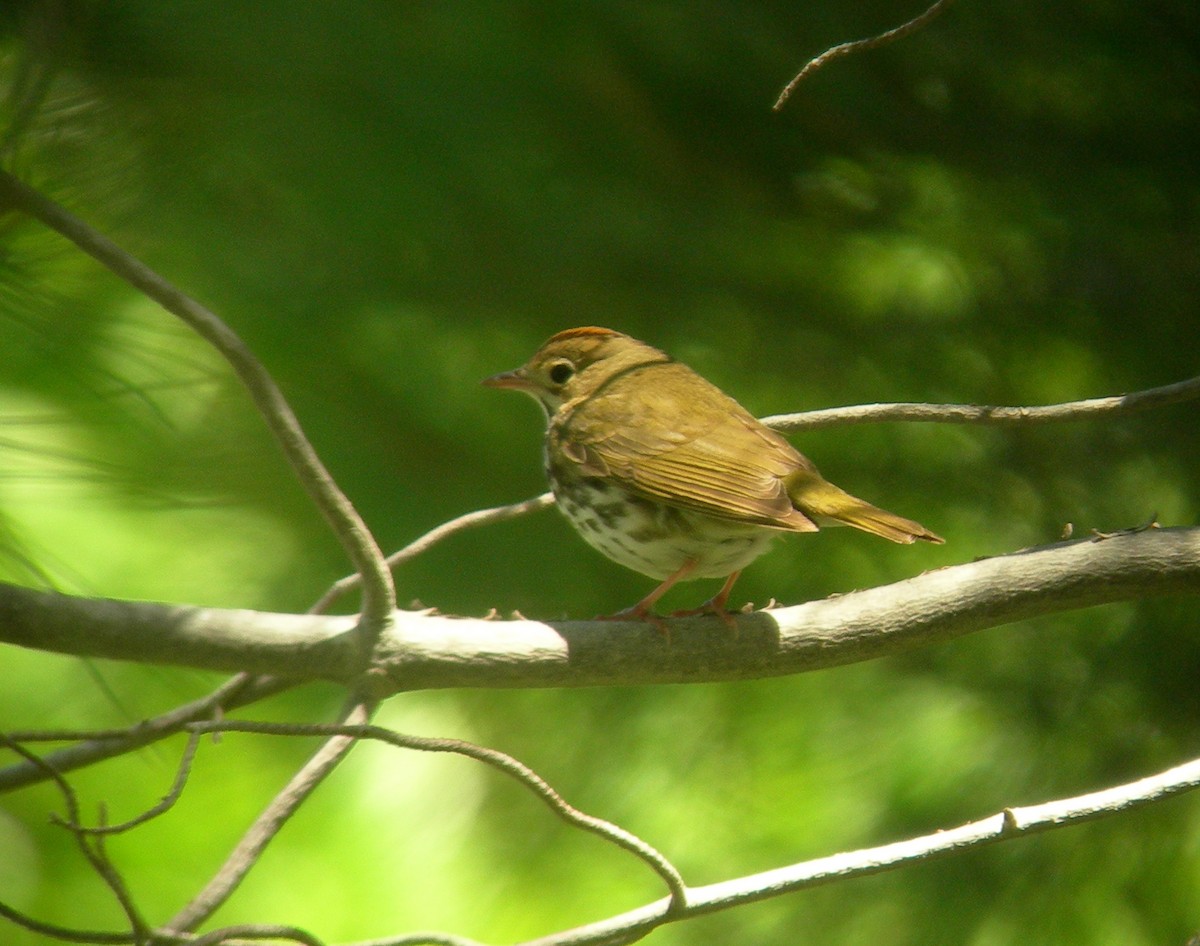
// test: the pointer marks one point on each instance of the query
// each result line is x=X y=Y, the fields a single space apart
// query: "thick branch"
x=425 y=651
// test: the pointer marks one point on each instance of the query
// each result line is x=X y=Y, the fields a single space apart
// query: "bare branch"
x=379 y=598
x=1120 y=404
x=492 y=757
x=63 y=933
x=422 y=938
x=427 y=651
x=255 y=931
x=987 y=415
x=470 y=520
x=94 y=746
x=164 y=805
x=91 y=848
x=268 y=824
x=858 y=46
x=1010 y=823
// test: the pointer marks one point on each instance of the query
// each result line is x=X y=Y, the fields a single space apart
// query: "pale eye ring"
x=560 y=372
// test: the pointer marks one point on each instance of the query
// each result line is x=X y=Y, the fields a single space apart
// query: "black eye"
x=561 y=371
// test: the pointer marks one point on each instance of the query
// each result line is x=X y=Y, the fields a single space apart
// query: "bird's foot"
x=711 y=606
x=639 y=613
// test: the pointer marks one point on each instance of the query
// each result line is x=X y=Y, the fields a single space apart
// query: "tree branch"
x=470 y=520
x=1168 y=394
x=241 y=690
x=91 y=846
x=498 y=760
x=423 y=651
x=379 y=597
x=1009 y=823
x=268 y=824
x=910 y=411
x=858 y=46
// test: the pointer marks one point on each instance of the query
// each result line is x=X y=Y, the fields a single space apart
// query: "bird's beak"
x=510 y=380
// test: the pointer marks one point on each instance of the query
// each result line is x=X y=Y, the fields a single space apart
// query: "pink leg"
x=641 y=610
x=715 y=604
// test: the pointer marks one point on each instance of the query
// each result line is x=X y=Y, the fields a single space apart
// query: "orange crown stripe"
x=587 y=331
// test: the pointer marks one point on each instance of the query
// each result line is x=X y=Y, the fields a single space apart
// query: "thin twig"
x=63 y=933
x=92 y=849
x=268 y=824
x=253 y=931
x=165 y=804
x=97 y=745
x=1002 y=826
x=497 y=760
x=858 y=46
x=470 y=520
x=421 y=938
x=986 y=415
x=379 y=595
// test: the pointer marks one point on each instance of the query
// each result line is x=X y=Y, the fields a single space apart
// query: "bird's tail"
x=827 y=505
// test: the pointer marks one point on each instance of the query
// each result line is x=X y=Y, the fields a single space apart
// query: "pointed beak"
x=509 y=380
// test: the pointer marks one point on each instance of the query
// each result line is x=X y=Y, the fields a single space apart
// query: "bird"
x=666 y=474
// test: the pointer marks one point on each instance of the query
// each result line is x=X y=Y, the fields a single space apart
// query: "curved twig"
x=492 y=757
x=91 y=848
x=379 y=596
x=97 y=745
x=1087 y=409
x=268 y=824
x=421 y=938
x=64 y=934
x=470 y=520
x=1002 y=826
x=858 y=46
x=253 y=931
x=165 y=804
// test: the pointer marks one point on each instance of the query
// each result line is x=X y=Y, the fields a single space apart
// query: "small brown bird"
x=666 y=474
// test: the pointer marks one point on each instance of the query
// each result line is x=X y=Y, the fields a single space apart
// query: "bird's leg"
x=641 y=610
x=715 y=604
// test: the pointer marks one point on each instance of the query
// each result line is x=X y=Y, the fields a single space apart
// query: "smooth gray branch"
x=424 y=651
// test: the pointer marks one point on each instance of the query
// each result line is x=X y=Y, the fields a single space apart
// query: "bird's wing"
x=664 y=433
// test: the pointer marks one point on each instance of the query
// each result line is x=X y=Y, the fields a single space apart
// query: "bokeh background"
x=390 y=201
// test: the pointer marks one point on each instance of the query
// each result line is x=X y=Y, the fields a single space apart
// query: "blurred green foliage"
x=391 y=201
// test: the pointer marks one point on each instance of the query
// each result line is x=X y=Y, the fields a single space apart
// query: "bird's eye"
x=561 y=371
